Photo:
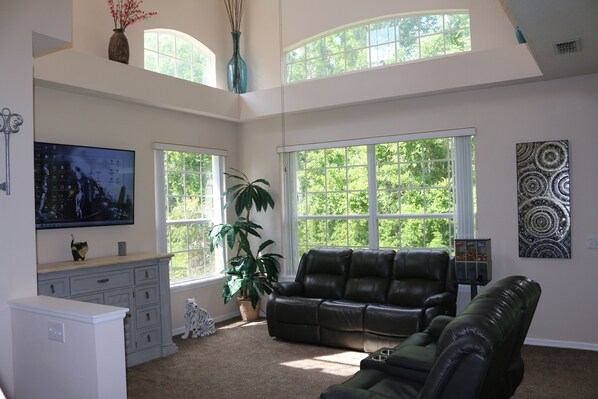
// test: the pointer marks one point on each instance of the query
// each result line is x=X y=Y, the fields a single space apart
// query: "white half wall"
x=87 y=361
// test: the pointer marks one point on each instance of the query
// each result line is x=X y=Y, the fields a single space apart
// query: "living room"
x=500 y=89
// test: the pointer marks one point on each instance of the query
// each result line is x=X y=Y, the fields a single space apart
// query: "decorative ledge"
x=100 y=77
x=82 y=73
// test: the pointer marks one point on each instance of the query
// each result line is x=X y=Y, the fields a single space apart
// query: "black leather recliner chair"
x=474 y=355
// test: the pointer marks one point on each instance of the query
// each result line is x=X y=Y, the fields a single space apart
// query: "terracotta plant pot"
x=248 y=313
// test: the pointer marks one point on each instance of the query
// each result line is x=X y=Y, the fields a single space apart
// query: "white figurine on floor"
x=198 y=321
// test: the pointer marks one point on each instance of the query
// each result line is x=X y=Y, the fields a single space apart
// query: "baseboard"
x=562 y=344
x=528 y=341
x=218 y=319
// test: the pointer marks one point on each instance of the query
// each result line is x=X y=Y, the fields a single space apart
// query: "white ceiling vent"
x=567 y=47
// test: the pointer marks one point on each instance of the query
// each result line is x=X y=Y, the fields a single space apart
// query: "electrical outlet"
x=593 y=242
x=56 y=331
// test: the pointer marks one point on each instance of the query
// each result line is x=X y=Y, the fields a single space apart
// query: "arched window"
x=179 y=55
x=384 y=41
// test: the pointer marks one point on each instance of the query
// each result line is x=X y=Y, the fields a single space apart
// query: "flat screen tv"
x=77 y=186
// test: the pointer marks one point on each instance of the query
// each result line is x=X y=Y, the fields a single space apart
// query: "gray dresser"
x=138 y=282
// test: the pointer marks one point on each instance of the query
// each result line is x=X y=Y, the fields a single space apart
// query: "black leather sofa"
x=474 y=355
x=362 y=299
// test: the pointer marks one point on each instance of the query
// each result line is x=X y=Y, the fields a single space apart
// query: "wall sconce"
x=9 y=124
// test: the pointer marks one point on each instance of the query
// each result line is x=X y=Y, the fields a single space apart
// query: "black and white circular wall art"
x=543 y=198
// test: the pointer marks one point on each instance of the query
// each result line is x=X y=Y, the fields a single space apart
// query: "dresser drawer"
x=101 y=281
x=148 y=274
x=58 y=288
x=122 y=298
x=146 y=295
x=98 y=298
x=148 y=338
x=147 y=317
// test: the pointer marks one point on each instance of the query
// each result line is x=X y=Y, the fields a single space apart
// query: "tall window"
x=189 y=187
x=383 y=195
x=385 y=41
x=179 y=55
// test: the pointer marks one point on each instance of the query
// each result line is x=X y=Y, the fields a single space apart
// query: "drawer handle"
x=146 y=274
x=146 y=295
x=128 y=315
x=103 y=280
x=148 y=317
x=52 y=289
x=149 y=338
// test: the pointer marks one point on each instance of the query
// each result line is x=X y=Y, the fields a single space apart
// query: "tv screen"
x=78 y=186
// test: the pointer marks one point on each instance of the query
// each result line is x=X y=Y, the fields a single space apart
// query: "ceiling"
x=544 y=22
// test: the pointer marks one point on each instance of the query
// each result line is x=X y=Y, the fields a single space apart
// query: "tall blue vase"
x=236 y=70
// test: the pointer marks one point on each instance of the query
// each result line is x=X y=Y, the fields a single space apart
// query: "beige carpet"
x=242 y=361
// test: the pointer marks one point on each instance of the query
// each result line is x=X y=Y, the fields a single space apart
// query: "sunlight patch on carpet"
x=242 y=323
x=342 y=364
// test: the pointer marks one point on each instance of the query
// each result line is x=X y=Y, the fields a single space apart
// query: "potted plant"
x=250 y=274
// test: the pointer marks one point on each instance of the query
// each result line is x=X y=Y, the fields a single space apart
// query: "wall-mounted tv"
x=77 y=186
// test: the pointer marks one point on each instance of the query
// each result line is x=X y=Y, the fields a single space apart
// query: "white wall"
x=205 y=20
x=558 y=109
x=65 y=117
x=561 y=109
x=18 y=20
x=304 y=19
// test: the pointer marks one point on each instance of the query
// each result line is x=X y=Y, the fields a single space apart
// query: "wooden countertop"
x=95 y=262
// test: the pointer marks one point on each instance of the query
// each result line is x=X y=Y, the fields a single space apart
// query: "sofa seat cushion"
x=297 y=310
x=393 y=320
x=342 y=315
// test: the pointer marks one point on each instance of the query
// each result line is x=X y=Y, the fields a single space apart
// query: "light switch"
x=593 y=242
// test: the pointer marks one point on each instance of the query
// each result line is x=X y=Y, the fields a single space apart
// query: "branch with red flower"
x=127 y=12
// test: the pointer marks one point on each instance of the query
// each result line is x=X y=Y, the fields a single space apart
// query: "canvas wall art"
x=543 y=198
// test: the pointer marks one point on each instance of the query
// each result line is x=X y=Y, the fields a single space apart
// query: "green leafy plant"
x=250 y=273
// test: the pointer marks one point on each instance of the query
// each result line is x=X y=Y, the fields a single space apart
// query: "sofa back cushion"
x=324 y=272
x=416 y=275
x=369 y=275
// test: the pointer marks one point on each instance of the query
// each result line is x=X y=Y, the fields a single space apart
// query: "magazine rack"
x=473 y=263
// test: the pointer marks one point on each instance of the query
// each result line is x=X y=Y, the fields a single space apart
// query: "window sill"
x=197 y=283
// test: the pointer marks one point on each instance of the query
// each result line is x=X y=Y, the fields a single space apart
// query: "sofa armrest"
x=413 y=357
x=343 y=392
x=444 y=298
x=438 y=325
x=289 y=288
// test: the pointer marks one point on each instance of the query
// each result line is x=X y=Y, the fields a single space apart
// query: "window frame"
x=331 y=46
x=463 y=186
x=218 y=167
x=203 y=49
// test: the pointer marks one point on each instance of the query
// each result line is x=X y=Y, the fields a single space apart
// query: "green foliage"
x=250 y=274
x=414 y=180
x=373 y=44
x=189 y=209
